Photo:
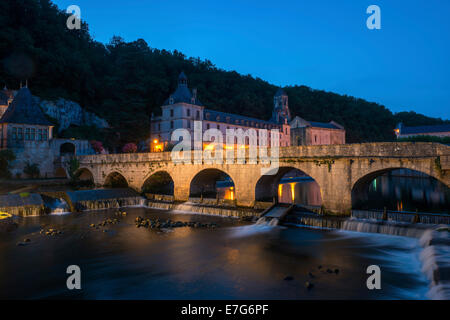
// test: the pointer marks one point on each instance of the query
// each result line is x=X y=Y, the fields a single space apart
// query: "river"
x=237 y=260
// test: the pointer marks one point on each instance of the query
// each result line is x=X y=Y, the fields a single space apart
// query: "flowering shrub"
x=97 y=146
x=129 y=148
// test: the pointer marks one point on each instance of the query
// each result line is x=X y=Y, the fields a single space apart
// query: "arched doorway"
x=115 y=180
x=401 y=189
x=159 y=183
x=67 y=149
x=288 y=185
x=212 y=183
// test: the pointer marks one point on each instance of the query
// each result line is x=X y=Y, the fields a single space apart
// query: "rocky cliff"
x=69 y=113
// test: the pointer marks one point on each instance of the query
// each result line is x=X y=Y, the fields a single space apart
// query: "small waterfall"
x=58 y=206
x=272 y=222
x=435 y=258
x=191 y=207
x=385 y=227
x=102 y=204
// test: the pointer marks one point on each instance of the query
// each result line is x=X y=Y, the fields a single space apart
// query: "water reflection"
x=407 y=190
x=300 y=190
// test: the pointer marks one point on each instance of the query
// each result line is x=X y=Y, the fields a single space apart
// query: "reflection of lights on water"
x=231 y=193
x=375 y=184
x=280 y=190
x=400 y=206
x=292 y=184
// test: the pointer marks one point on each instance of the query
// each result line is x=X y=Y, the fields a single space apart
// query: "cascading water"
x=434 y=241
x=268 y=221
x=58 y=206
x=435 y=258
x=385 y=227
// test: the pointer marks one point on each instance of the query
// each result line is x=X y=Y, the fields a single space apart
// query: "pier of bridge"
x=341 y=171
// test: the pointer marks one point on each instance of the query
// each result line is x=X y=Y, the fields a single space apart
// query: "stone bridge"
x=342 y=172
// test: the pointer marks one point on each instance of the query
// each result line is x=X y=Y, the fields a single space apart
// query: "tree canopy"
x=125 y=82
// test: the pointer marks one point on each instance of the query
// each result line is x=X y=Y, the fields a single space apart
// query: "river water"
x=234 y=261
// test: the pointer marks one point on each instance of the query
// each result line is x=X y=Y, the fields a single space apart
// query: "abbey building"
x=183 y=107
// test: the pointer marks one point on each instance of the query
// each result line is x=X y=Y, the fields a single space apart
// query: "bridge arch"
x=115 y=180
x=286 y=186
x=159 y=182
x=212 y=183
x=364 y=184
x=86 y=176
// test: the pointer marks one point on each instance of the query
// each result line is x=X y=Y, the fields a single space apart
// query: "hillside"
x=125 y=82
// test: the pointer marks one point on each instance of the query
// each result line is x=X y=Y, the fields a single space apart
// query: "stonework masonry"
x=340 y=170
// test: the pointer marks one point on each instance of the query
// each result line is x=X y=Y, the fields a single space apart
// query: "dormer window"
x=171 y=100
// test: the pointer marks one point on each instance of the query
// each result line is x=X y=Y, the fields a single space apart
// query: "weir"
x=276 y=213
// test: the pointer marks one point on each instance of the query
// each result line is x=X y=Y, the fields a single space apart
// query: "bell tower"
x=281 y=113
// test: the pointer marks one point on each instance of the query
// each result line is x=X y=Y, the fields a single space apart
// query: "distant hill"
x=125 y=82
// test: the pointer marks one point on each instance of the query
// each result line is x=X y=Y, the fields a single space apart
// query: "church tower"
x=281 y=113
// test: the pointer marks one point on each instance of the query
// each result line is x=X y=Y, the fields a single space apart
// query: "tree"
x=6 y=157
x=32 y=170
x=72 y=167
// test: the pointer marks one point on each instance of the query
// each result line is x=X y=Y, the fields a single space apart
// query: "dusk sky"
x=324 y=44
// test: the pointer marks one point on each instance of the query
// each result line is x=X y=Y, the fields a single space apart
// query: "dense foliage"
x=126 y=82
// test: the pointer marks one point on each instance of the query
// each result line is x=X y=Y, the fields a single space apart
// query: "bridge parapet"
x=378 y=149
x=382 y=149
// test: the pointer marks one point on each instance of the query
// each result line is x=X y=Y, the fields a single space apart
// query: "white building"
x=183 y=107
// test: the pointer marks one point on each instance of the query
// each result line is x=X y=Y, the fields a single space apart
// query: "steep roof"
x=328 y=125
x=24 y=110
x=298 y=122
x=425 y=129
x=182 y=93
x=222 y=116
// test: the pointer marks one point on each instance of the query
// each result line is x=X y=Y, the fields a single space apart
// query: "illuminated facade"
x=183 y=107
x=306 y=133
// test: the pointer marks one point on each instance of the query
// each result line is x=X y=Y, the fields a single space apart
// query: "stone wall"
x=337 y=169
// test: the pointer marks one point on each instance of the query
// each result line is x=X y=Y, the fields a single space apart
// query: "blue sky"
x=324 y=44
